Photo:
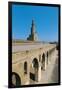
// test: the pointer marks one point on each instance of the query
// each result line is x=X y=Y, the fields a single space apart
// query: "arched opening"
x=25 y=67
x=35 y=64
x=16 y=80
x=43 y=62
x=34 y=70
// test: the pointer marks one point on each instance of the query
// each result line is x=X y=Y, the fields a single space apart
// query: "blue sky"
x=45 y=18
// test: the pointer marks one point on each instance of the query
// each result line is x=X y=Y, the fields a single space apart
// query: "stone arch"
x=25 y=67
x=35 y=63
x=34 y=69
x=16 y=80
x=43 y=62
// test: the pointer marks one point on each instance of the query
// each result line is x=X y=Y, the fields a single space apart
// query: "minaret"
x=33 y=30
x=32 y=27
x=33 y=34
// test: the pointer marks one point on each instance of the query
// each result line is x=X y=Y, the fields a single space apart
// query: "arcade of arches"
x=29 y=69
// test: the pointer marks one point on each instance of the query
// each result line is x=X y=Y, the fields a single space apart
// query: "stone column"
x=28 y=78
x=45 y=61
x=39 y=72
